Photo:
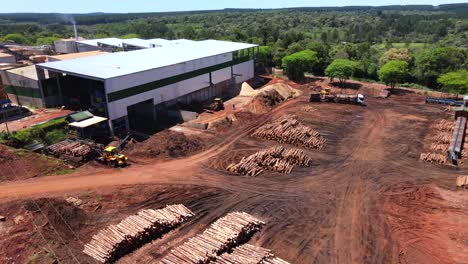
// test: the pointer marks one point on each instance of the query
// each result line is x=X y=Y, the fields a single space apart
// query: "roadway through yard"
x=334 y=212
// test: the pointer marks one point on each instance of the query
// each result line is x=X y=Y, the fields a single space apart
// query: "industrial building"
x=136 y=89
x=7 y=58
x=24 y=87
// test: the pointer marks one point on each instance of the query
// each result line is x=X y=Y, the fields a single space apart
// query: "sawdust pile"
x=165 y=144
x=269 y=96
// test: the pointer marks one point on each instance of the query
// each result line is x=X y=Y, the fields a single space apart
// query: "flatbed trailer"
x=445 y=101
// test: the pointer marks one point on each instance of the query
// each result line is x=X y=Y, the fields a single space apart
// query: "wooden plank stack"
x=73 y=150
x=289 y=130
x=224 y=234
x=249 y=254
x=131 y=233
x=277 y=159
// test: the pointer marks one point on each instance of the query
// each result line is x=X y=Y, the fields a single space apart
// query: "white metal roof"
x=88 y=122
x=107 y=41
x=143 y=43
x=123 y=63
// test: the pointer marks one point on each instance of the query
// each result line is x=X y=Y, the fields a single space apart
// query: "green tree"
x=295 y=65
x=402 y=54
x=265 y=56
x=433 y=62
x=394 y=72
x=455 y=82
x=130 y=35
x=341 y=69
x=15 y=37
x=46 y=40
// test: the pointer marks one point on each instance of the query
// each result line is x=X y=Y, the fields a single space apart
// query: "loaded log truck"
x=337 y=98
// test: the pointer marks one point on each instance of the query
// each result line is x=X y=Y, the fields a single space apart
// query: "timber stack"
x=290 y=130
x=277 y=159
x=249 y=254
x=433 y=157
x=131 y=233
x=224 y=234
x=443 y=125
x=74 y=150
x=462 y=181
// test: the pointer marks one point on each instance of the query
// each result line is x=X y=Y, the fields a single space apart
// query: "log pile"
x=462 y=181
x=73 y=150
x=118 y=240
x=437 y=147
x=290 y=130
x=277 y=159
x=443 y=125
x=434 y=157
x=308 y=108
x=224 y=234
x=442 y=138
x=249 y=254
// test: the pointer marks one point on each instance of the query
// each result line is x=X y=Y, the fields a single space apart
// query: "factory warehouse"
x=132 y=88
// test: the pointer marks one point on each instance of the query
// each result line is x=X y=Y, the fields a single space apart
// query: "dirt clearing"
x=365 y=198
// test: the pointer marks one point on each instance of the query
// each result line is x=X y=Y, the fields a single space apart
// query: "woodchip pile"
x=224 y=234
x=290 y=130
x=118 y=240
x=249 y=254
x=277 y=159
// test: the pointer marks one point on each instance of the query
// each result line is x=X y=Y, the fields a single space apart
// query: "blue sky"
x=126 y=6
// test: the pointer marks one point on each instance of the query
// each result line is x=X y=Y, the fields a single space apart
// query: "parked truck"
x=338 y=98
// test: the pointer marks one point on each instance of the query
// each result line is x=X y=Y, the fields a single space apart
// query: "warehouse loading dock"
x=141 y=117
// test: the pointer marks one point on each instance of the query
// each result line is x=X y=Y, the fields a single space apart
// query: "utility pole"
x=6 y=123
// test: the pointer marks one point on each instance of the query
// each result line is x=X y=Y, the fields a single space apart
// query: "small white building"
x=133 y=89
x=65 y=46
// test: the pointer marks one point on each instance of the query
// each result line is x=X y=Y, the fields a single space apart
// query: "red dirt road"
x=367 y=199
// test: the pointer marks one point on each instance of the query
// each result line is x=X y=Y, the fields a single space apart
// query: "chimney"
x=75 y=31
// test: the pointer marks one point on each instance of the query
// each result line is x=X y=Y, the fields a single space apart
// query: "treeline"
x=436 y=67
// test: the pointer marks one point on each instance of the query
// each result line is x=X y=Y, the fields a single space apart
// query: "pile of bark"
x=224 y=234
x=279 y=159
x=290 y=130
x=74 y=150
x=165 y=144
x=433 y=157
x=131 y=233
x=249 y=254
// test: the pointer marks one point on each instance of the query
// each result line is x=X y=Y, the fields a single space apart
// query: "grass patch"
x=64 y=171
x=47 y=133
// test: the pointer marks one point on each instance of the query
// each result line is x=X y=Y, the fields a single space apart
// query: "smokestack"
x=75 y=31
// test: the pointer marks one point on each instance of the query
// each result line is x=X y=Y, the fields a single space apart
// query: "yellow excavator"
x=325 y=91
x=112 y=157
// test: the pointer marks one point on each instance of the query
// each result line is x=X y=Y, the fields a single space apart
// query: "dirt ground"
x=366 y=199
x=38 y=116
x=19 y=165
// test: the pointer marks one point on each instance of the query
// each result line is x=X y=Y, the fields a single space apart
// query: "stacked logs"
x=442 y=138
x=289 y=130
x=118 y=240
x=277 y=159
x=443 y=125
x=224 y=234
x=433 y=157
x=249 y=254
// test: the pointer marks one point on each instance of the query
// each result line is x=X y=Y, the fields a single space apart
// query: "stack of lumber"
x=443 y=125
x=277 y=159
x=249 y=254
x=462 y=181
x=289 y=130
x=308 y=108
x=118 y=240
x=224 y=234
x=433 y=157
